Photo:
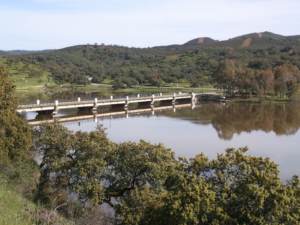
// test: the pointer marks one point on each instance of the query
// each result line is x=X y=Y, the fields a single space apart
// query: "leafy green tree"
x=248 y=189
x=96 y=170
x=141 y=206
x=133 y=165
x=54 y=143
x=287 y=77
x=72 y=163
x=233 y=189
x=15 y=135
x=190 y=200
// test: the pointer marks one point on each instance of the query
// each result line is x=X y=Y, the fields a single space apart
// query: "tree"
x=15 y=135
x=72 y=163
x=248 y=189
x=226 y=75
x=287 y=77
x=266 y=81
x=97 y=171
x=137 y=165
x=233 y=189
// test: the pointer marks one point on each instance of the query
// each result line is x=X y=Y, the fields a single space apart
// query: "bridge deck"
x=104 y=102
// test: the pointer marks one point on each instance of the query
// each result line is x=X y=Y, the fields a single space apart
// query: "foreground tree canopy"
x=146 y=184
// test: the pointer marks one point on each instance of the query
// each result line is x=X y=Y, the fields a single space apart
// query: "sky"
x=48 y=24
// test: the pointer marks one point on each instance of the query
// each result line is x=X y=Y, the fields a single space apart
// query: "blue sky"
x=44 y=24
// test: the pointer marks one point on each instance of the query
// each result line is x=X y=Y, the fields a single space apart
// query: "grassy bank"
x=15 y=209
x=44 y=88
x=260 y=99
x=18 y=182
x=295 y=97
x=28 y=94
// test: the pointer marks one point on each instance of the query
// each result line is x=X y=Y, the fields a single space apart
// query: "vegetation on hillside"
x=15 y=209
x=258 y=64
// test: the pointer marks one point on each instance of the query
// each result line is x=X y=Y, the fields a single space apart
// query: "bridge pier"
x=126 y=103
x=174 y=99
x=152 y=100
x=56 y=108
x=193 y=98
x=95 y=107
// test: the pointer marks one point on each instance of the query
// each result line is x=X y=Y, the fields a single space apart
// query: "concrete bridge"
x=53 y=108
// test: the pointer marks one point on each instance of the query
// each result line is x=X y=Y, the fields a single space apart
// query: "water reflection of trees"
x=234 y=118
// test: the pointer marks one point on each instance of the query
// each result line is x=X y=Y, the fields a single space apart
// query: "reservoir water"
x=267 y=129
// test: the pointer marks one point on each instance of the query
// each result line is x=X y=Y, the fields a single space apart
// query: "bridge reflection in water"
x=124 y=113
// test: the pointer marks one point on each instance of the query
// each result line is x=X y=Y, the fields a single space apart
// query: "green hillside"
x=27 y=76
x=16 y=209
x=13 y=207
x=198 y=62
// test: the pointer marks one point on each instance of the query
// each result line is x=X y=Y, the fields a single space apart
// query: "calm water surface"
x=269 y=130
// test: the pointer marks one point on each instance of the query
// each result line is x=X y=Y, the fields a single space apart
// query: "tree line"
x=238 y=79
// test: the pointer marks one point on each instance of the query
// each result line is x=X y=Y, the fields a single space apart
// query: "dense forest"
x=85 y=178
x=258 y=64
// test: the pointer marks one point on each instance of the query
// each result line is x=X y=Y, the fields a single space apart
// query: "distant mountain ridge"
x=261 y=39
x=201 y=41
x=18 y=52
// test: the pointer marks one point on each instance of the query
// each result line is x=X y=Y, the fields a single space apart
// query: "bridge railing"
x=110 y=99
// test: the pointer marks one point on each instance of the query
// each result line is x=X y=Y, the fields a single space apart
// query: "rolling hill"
x=195 y=61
